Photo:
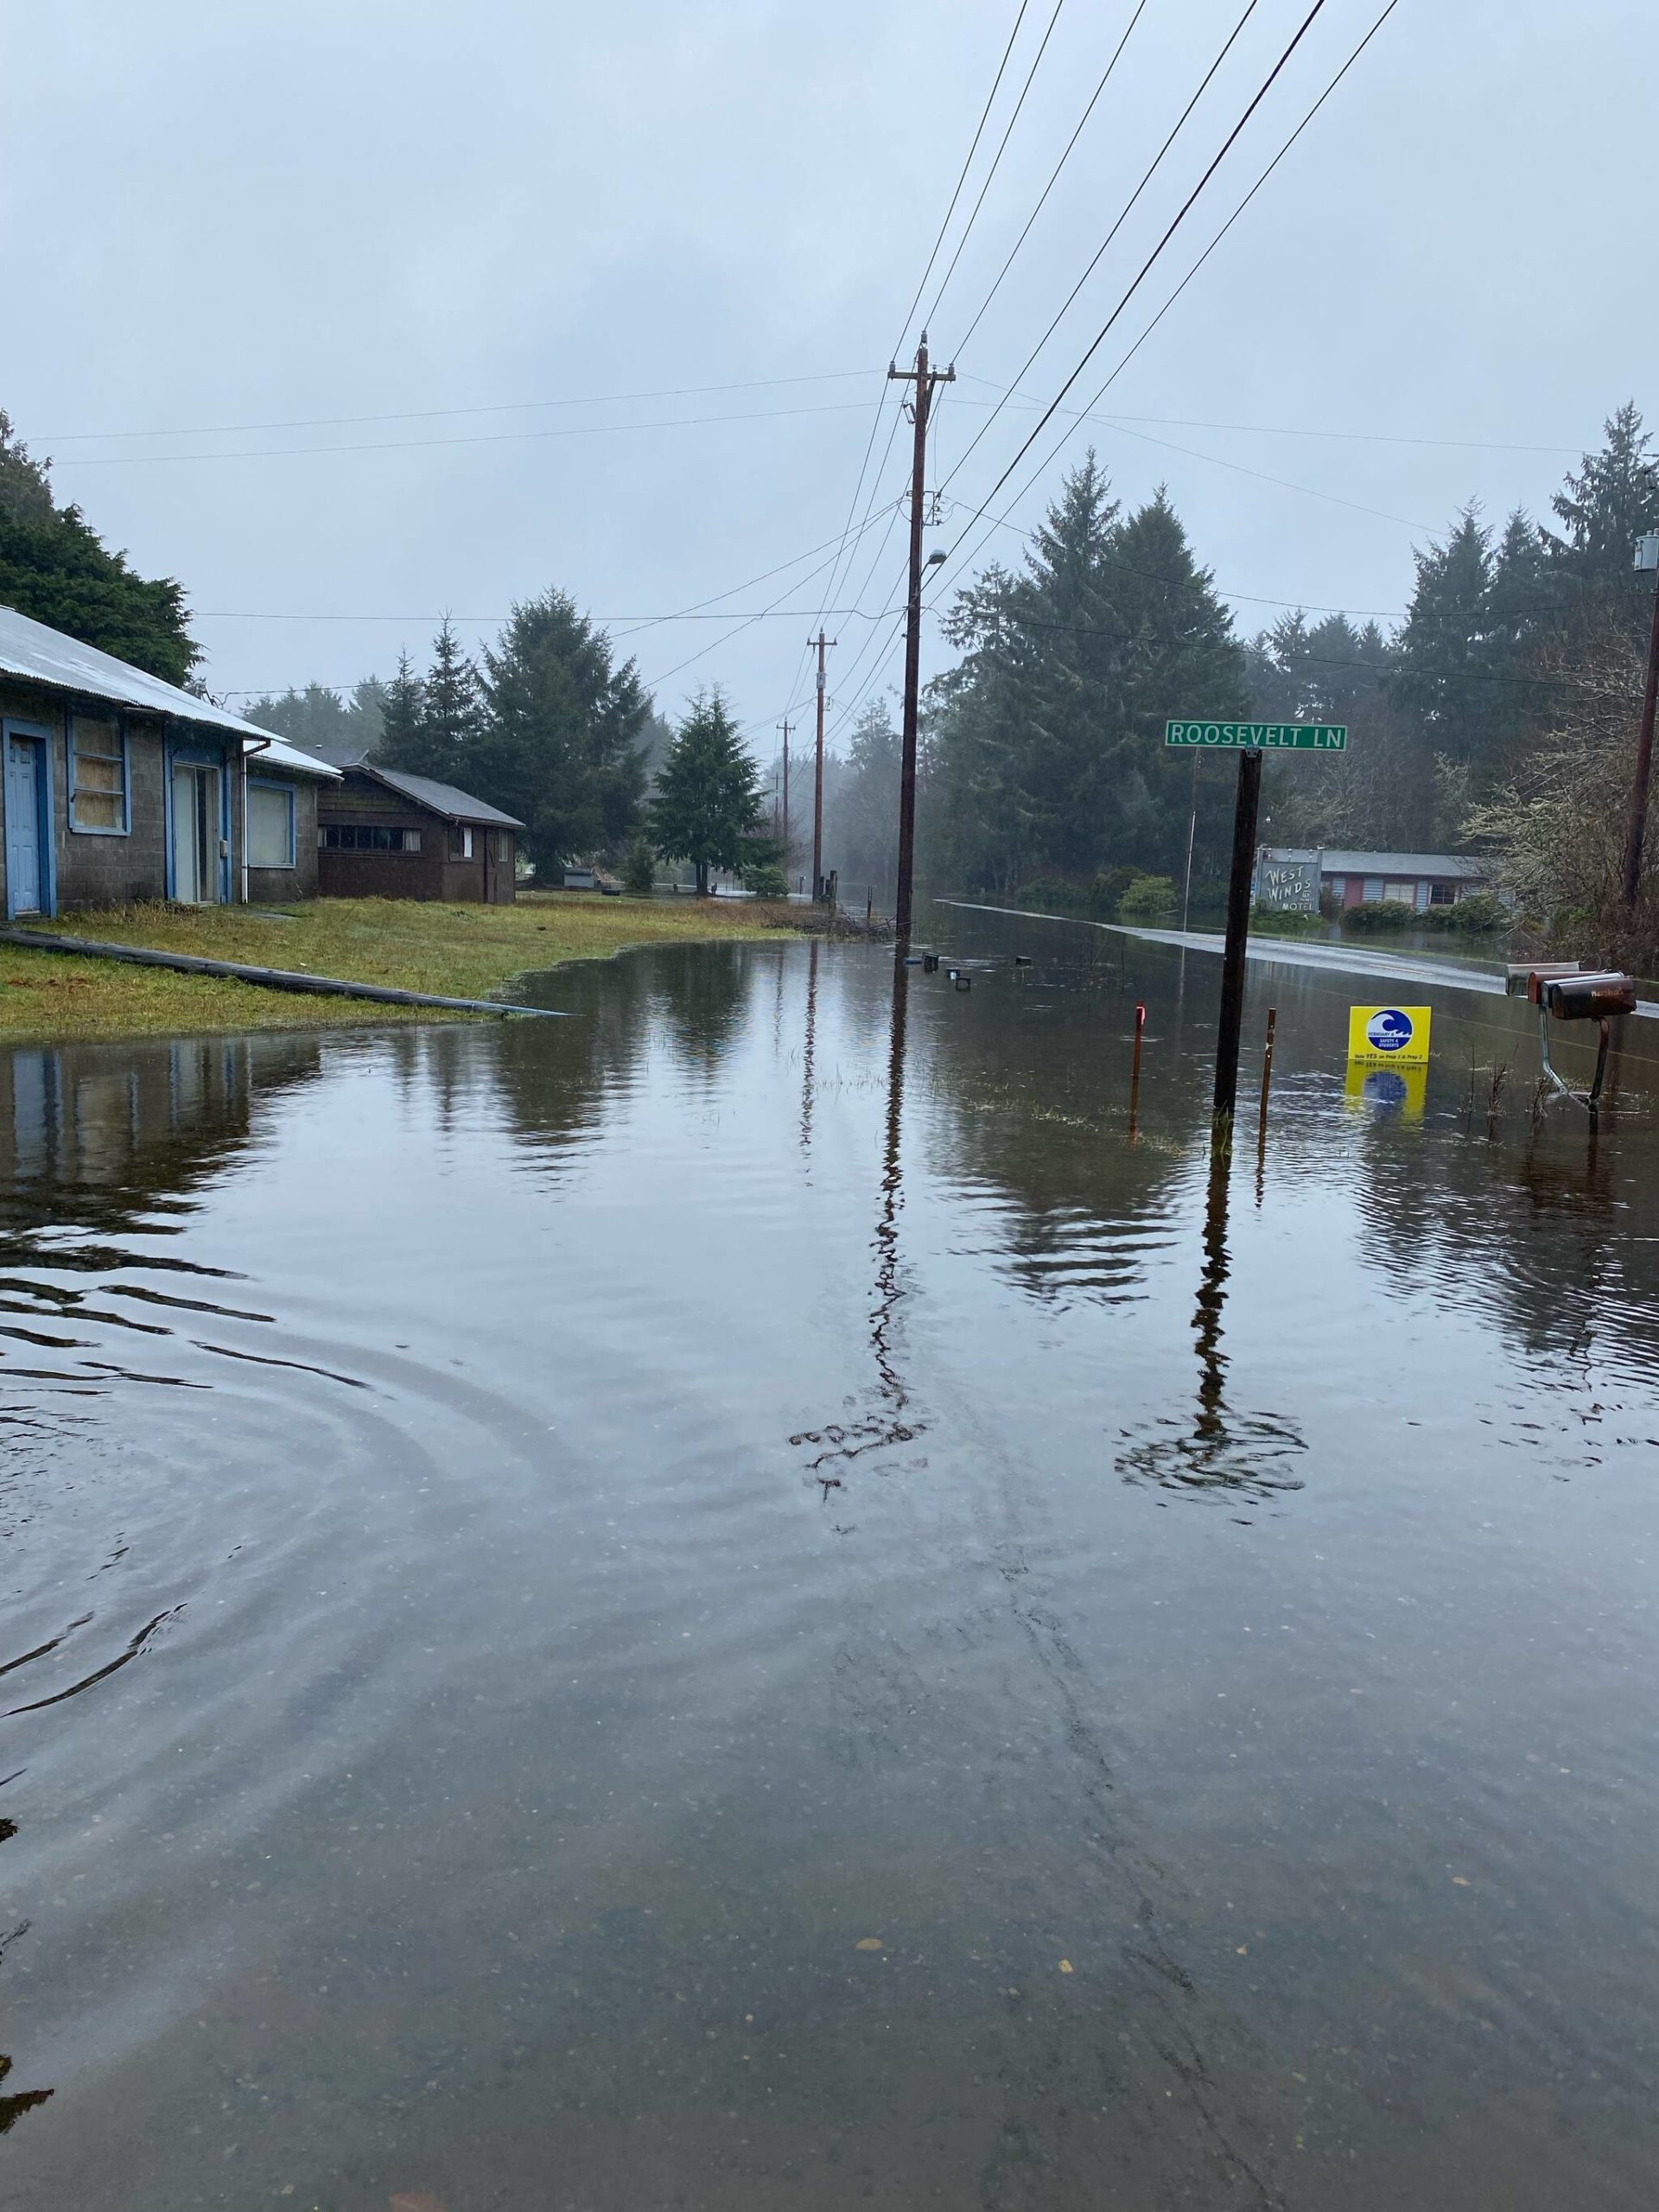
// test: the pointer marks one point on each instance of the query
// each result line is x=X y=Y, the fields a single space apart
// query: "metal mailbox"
x=1588 y=998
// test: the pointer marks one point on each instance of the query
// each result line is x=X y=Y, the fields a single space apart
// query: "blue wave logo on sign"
x=1389 y=1029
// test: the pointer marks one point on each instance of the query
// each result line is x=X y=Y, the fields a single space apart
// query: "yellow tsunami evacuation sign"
x=1388 y=1036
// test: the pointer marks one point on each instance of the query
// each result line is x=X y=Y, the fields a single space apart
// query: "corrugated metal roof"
x=1400 y=864
x=344 y=752
x=35 y=653
x=279 y=754
x=443 y=798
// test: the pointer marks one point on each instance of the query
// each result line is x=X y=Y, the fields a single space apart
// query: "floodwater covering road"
x=749 y=1603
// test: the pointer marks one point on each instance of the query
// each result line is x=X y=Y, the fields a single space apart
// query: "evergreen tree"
x=403 y=739
x=1048 y=737
x=860 y=814
x=1444 y=660
x=563 y=731
x=320 y=721
x=55 y=569
x=1521 y=587
x=707 y=806
x=454 y=706
x=1610 y=503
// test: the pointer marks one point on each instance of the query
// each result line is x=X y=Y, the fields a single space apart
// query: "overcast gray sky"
x=219 y=218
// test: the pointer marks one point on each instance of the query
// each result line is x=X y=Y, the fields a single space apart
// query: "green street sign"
x=1251 y=737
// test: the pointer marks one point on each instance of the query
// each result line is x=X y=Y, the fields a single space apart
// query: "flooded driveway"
x=744 y=1603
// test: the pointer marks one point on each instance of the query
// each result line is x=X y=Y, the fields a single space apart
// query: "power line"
x=869 y=445
x=1217 y=461
x=995 y=161
x=921 y=287
x=961 y=179
x=1289 y=430
x=1519 y=610
x=422 y=445
x=759 y=615
x=765 y=576
x=1180 y=216
x=1123 y=216
x=795 y=614
x=434 y=414
x=1128 y=357
x=1054 y=179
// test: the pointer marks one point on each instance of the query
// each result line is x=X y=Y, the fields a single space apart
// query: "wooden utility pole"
x=924 y=379
x=1647 y=555
x=821 y=641
x=785 y=730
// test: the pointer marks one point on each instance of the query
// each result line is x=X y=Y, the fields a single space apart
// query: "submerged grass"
x=416 y=944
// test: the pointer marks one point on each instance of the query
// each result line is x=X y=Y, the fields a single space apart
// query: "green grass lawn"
x=418 y=945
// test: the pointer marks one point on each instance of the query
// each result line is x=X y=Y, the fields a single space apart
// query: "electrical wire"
x=997 y=158
x=421 y=445
x=1261 y=180
x=759 y=615
x=1292 y=429
x=1218 y=460
x=869 y=446
x=434 y=414
x=1127 y=210
x=1054 y=179
x=968 y=160
x=650 y=682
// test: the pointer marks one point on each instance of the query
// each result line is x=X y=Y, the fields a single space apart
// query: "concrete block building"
x=117 y=787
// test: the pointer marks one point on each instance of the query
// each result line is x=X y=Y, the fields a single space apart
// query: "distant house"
x=119 y=787
x=384 y=835
x=1291 y=879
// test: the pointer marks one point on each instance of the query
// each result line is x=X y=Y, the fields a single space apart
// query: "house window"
x=366 y=837
x=1442 y=894
x=271 y=824
x=461 y=844
x=98 y=774
x=498 y=847
x=1373 y=890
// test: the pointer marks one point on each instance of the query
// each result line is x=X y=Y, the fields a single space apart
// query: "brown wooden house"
x=384 y=835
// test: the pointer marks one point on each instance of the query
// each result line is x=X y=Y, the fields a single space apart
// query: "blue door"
x=25 y=862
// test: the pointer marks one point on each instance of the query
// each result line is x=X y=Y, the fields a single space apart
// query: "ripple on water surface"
x=753 y=1600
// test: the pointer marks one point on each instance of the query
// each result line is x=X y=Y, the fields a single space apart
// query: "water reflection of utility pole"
x=839 y=1442
x=807 y=1051
x=886 y=1228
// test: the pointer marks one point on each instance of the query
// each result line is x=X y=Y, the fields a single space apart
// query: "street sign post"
x=1249 y=741
x=1261 y=737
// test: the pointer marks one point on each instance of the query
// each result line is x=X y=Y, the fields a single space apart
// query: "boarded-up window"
x=97 y=773
x=271 y=825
